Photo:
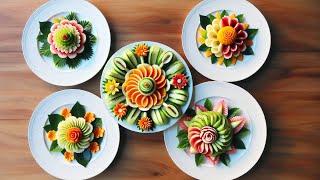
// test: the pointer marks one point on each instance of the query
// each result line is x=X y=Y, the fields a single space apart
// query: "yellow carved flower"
x=111 y=87
x=68 y=156
x=51 y=135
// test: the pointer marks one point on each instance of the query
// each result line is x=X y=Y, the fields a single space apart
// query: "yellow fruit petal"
x=233 y=15
x=202 y=32
x=245 y=25
x=218 y=15
x=200 y=39
x=220 y=60
x=207 y=53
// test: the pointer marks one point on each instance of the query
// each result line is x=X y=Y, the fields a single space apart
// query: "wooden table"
x=287 y=87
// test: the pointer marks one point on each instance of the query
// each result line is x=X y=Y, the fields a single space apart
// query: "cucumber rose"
x=209 y=133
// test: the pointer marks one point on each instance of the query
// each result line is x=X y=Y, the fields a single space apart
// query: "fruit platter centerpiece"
x=225 y=37
x=212 y=132
x=74 y=133
x=147 y=86
x=67 y=40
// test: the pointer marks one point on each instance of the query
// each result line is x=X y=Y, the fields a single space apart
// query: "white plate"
x=243 y=160
x=241 y=70
x=44 y=67
x=53 y=163
x=183 y=108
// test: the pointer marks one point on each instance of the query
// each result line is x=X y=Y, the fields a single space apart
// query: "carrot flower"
x=120 y=110
x=94 y=147
x=145 y=124
x=68 y=156
x=89 y=117
x=51 y=135
x=98 y=132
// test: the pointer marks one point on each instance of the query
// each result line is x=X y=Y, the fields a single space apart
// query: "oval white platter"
x=183 y=108
x=44 y=67
x=243 y=160
x=241 y=70
x=53 y=162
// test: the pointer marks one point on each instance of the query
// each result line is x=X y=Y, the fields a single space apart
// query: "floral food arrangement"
x=75 y=133
x=67 y=40
x=225 y=38
x=146 y=86
x=212 y=132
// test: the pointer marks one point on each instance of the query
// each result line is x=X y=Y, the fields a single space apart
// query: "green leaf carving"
x=92 y=38
x=208 y=104
x=87 y=26
x=48 y=128
x=214 y=59
x=224 y=13
x=78 y=110
x=240 y=18
x=199 y=159
x=248 y=51
x=204 y=21
x=252 y=33
x=55 y=147
x=211 y=17
x=238 y=143
x=54 y=120
x=59 y=62
x=182 y=134
x=86 y=54
x=72 y=16
x=84 y=157
x=45 y=49
x=203 y=47
x=243 y=133
x=97 y=123
x=73 y=63
x=234 y=112
x=225 y=159
x=42 y=38
x=227 y=62
x=45 y=27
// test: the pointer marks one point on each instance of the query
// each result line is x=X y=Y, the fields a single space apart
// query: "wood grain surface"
x=287 y=87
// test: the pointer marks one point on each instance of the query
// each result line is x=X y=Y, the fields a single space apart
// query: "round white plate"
x=53 y=162
x=243 y=160
x=243 y=69
x=43 y=67
x=183 y=108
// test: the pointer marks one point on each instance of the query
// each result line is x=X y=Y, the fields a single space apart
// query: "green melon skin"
x=220 y=123
x=133 y=115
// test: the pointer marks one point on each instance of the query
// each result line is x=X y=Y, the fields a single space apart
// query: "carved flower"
x=209 y=133
x=68 y=156
x=120 y=110
x=66 y=39
x=179 y=81
x=145 y=124
x=94 y=147
x=51 y=135
x=145 y=86
x=74 y=134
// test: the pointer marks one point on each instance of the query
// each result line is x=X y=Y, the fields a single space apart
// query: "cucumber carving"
x=141 y=80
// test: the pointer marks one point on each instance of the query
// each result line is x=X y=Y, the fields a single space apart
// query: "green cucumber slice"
x=132 y=58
